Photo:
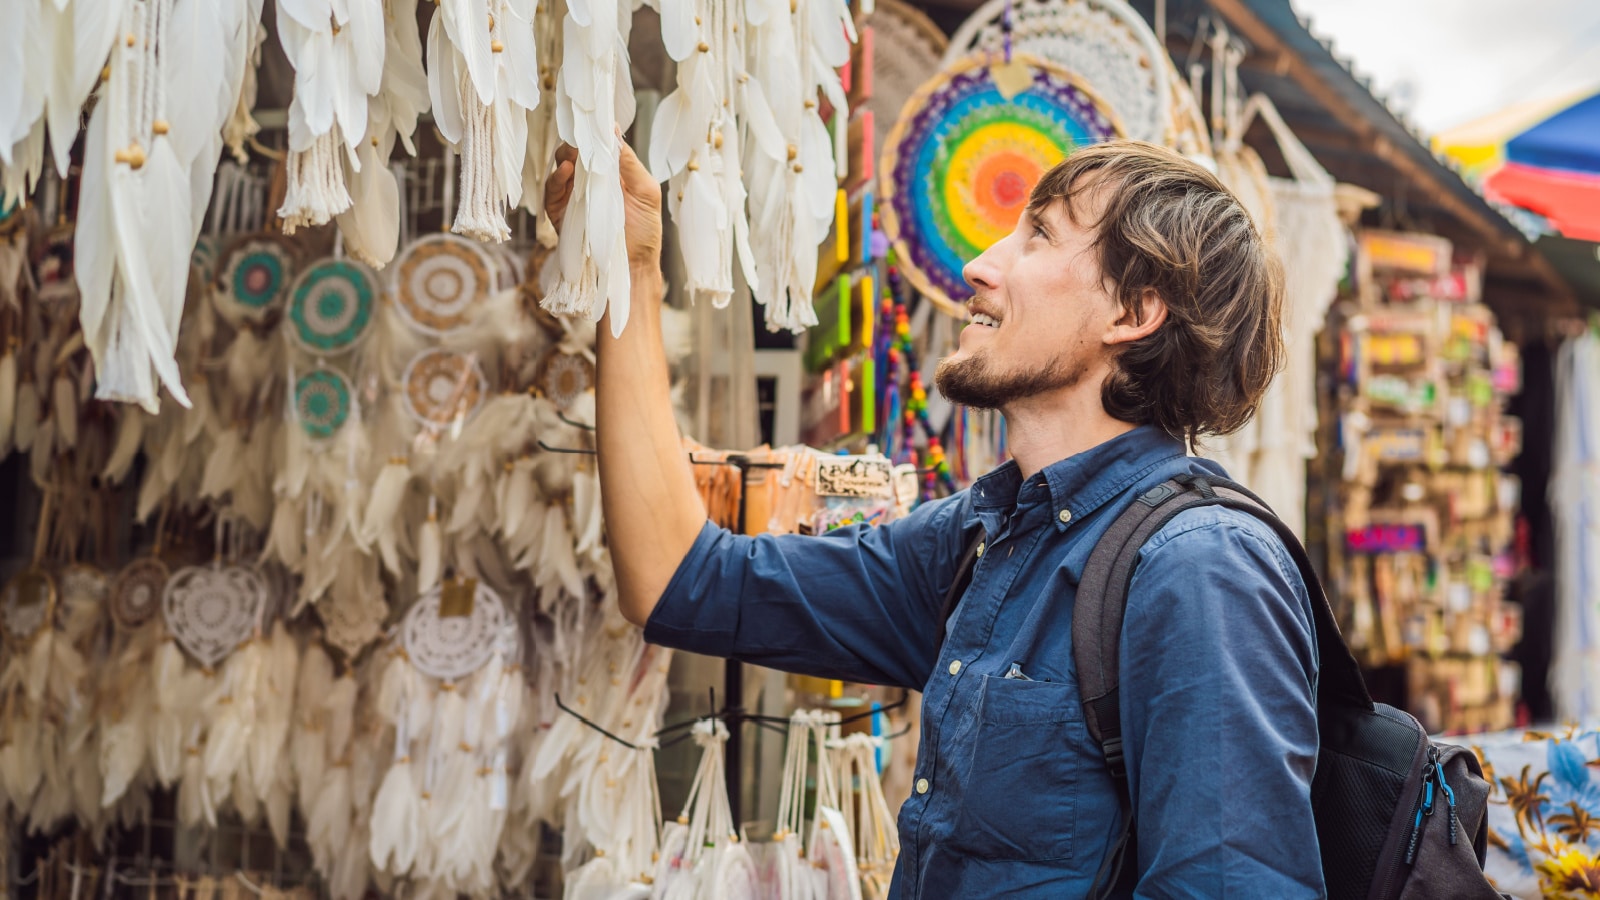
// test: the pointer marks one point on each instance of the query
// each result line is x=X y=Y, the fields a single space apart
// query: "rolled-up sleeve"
x=1219 y=705
x=859 y=604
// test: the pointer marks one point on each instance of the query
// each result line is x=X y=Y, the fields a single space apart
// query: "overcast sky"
x=1448 y=62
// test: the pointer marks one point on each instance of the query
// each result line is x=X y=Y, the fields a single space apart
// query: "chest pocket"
x=1029 y=757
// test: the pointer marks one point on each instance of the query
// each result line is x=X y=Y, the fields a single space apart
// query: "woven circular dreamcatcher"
x=452 y=647
x=351 y=620
x=136 y=592
x=253 y=278
x=84 y=581
x=331 y=306
x=442 y=386
x=564 y=376
x=27 y=604
x=962 y=159
x=323 y=401
x=918 y=45
x=440 y=280
x=210 y=610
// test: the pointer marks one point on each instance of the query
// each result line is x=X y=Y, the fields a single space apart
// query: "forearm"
x=653 y=511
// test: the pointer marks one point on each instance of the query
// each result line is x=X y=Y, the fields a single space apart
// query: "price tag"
x=855 y=476
x=456 y=597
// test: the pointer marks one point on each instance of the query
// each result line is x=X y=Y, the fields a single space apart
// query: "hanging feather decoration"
x=594 y=102
x=483 y=76
x=792 y=51
x=337 y=50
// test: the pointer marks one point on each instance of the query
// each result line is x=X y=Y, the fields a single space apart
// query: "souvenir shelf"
x=1419 y=512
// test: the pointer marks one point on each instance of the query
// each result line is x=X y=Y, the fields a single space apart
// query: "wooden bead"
x=496 y=47
x=160 y=126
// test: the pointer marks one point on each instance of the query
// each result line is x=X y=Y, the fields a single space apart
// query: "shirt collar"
x=1082 y=483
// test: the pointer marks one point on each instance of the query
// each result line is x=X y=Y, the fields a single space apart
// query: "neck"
x=1048 y=428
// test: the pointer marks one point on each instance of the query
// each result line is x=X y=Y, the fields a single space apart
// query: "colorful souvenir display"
x=964 y=156
x=1419 y=529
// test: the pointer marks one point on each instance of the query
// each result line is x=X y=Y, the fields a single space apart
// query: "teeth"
x=981 y=319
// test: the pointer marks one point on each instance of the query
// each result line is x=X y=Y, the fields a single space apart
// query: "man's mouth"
x=985 y=320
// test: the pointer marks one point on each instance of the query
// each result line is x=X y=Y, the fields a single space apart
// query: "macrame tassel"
x=316 y=190
x=481 y=211
x=26 y=427
x=429 y=550
x=64 y=409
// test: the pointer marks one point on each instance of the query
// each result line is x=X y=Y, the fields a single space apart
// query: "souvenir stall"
x=1419 y=510
x=311 y=591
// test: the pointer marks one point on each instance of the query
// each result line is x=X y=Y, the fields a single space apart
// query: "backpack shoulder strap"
x=1102 y=601
x=959 y=585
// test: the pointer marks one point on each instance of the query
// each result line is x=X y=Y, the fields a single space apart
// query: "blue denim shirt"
x=1012 y=797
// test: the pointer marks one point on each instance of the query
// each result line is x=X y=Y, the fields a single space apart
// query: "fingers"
x=566 y=153
x=636 y=179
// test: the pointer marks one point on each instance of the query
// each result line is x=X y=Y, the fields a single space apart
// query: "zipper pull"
x=1424 y=809
x=1450 y=800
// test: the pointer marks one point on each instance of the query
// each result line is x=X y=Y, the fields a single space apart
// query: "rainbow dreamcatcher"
x=331 y=306
x=962 y=159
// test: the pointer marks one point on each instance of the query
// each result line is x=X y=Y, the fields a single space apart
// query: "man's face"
x=1039 y=311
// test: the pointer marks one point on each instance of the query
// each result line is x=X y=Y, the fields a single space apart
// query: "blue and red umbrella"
x=1553 y=169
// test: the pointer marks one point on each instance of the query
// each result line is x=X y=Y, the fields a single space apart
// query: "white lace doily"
x=452 y=647
x=212 y=609
x=351 y=620
x=1104 y=42
x=136 y=594
x=908 y=50
x=26 y=602
x=442 y=386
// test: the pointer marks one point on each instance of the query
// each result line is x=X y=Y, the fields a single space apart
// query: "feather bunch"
x=337 y=50
x=483 y=76
x=594 y=103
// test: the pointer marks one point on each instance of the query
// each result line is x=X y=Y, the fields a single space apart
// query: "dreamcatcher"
x=254 y=276
x=873 y=830
x=441 y=280
x=916 y=46
x=962 y=160
x=834 y=873
x=331 y=306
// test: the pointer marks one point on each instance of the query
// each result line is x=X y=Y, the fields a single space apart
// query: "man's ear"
x=1151 y=314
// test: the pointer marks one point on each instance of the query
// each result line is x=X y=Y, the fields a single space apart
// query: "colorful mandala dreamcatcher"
x=443 y=386
x=331 y=306
x=962 y=160
x=323 y=400
x=440 y=280
x=253 y=279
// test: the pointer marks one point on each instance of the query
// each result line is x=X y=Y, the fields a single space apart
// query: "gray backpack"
x=1398 y=817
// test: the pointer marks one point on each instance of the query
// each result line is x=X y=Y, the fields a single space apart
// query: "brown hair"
x=1165 y=223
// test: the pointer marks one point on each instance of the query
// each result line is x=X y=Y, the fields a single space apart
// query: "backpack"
x=1398 y=817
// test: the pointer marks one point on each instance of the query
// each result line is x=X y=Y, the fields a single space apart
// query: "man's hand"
x=641 y=201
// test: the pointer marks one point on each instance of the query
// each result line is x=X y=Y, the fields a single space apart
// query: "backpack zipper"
x=1425 y=805
x=1449 y=797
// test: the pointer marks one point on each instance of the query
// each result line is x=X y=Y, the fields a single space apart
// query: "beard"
x=974 y=382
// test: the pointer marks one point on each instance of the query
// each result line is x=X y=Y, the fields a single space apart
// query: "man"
x=1134 y=310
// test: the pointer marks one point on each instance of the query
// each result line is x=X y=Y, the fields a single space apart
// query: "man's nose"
x=982 y=273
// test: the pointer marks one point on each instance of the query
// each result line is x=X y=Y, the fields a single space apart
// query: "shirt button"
x=1066 y=515
x=981 y=547
x=955 y=666
x=922 y=785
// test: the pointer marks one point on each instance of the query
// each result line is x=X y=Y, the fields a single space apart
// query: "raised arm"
x=653 y=511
